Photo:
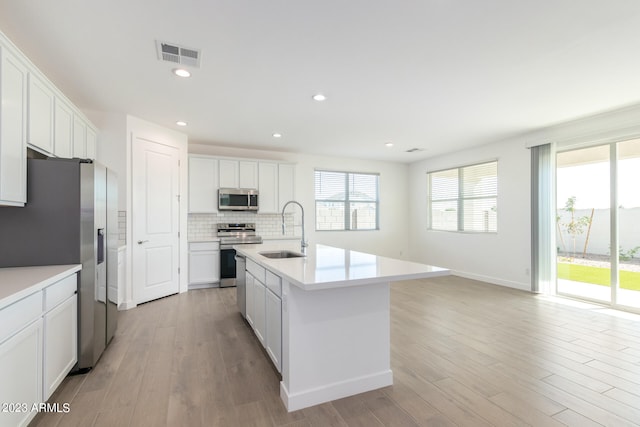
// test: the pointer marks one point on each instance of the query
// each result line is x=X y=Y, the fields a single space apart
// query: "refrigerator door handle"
x=101 y=246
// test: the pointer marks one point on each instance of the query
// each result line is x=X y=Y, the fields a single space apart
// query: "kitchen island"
x=324 y=319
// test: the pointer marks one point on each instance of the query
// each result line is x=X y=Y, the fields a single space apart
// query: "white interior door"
x=155 y=217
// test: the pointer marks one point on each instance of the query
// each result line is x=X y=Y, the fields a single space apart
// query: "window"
x=464 y=199
x=346 y=201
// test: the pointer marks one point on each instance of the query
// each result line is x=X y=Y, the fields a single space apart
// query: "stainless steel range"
x=231 y=235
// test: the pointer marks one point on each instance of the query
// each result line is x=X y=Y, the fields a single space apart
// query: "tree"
x=575 y=226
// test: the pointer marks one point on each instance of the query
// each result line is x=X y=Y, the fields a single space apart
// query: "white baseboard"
x=334 y=391
x=193 y=286
x=493 y=280
x=126 y=305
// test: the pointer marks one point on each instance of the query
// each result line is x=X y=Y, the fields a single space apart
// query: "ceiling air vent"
x=172 y=52
x=414 y=150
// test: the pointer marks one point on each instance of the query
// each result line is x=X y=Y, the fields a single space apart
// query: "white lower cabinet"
x=38 y=348
x=60 y=344
x=21 y=373
x=264 y=309
x=204 y=263
x=260 y=317
x=249 y=287
x=274 y=328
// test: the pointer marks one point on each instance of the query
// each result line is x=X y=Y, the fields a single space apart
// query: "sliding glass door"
x=598 y=223
x=583 y=223
x=628 y=207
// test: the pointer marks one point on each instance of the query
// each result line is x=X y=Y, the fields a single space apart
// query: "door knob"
x=142 y=241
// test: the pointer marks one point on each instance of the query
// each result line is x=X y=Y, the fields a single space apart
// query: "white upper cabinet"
x=268 y=187
x=13 y=129
x=238 y=173
x=229 y=173
x=274 y=181
x=203 y=184
x=63 y=129
x=91 y=141
x=286 y=184
x=79 y=137
x=248 y=174
x=40 y=114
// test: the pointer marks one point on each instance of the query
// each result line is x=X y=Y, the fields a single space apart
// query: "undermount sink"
x=281 y=254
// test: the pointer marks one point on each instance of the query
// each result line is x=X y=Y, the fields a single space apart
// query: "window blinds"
x=464 y=199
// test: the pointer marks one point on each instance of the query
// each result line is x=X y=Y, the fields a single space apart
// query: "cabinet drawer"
x=256 y=270
x=274 y=283
x=20 y=314
x=60 y=291
x=204 y=246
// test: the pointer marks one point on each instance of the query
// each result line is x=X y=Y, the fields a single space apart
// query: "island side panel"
x=336 y=343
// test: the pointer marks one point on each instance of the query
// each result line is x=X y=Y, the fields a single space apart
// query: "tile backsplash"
x=203 y=226
x=122 y=228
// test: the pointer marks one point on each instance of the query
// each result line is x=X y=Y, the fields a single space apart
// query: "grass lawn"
x=597 y=275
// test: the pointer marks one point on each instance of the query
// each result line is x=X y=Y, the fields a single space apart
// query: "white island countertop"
x=327 y=267
x=19 y=282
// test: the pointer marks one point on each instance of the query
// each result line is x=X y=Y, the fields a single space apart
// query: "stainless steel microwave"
x=237 y=199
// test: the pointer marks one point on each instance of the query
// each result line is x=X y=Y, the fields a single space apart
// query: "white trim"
x=337 y=390
x=611 y=126
x=493 y=280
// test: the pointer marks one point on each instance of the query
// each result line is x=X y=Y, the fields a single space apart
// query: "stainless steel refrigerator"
x=70 y=217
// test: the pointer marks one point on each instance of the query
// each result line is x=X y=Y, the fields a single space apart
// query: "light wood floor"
x=463 y=353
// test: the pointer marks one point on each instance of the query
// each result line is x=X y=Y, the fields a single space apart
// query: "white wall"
x=112 y=147
x=392 y=237
x=502 y=258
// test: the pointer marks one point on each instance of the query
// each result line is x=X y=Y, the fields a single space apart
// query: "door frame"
x=138 y=128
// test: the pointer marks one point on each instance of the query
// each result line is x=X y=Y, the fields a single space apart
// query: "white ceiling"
x=440 y=75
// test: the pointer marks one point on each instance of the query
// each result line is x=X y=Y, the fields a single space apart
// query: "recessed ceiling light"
x=181 y=123
x=319 y=97
x=277 y=135
x=389 y=144
x=181 y=72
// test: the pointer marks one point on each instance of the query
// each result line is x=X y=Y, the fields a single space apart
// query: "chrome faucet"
x=303 y=243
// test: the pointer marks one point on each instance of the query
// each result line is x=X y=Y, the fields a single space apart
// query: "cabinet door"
x=79 y=137
x=268 y=187
x=274 y=328
x=21 y=373
x=286 y=184
x=204 y=267
x=62 y=130
x=260 y=315
x=60 y=344
x=91 y=143
x=203 y=185
x=13 y=130
x=248 y=174
x=229 y=173
x=249 y=287
x=40 y=108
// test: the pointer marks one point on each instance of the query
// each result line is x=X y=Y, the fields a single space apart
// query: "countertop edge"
x=33 y=285
x=272 y=266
